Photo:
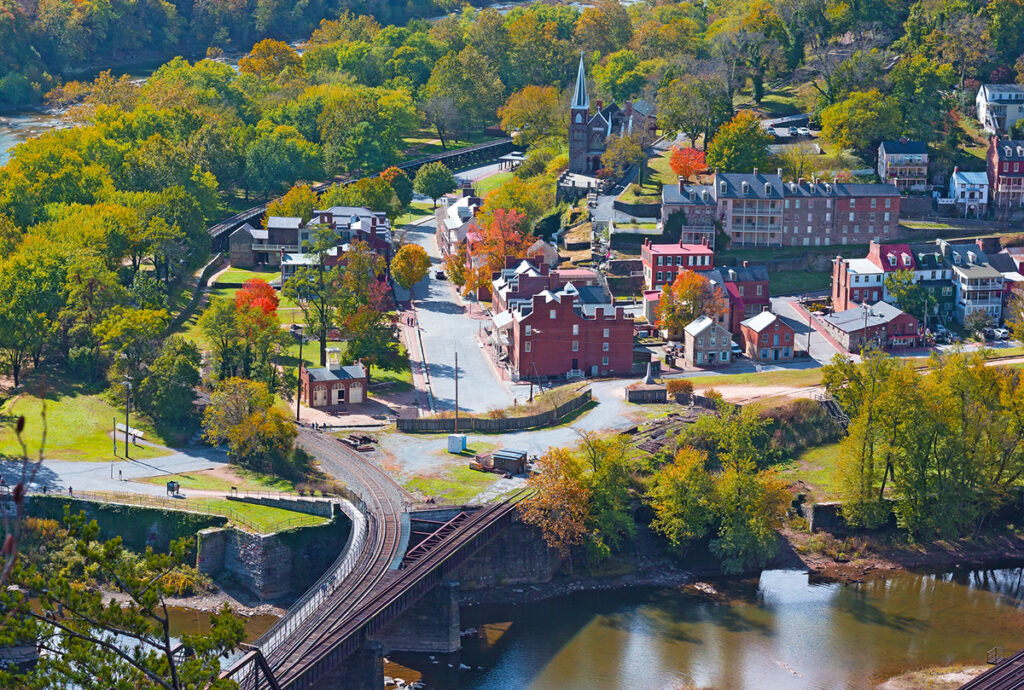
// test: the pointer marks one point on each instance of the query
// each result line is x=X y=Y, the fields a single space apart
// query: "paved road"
x=822 y=350
x=446 y=329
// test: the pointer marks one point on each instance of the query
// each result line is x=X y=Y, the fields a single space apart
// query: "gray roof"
x=1003 y=263
x=738 y=274
x=758 y=186
x=352 y=371
x=990 y=91
x=853 y=319
x=699 y=325
x=689 y=194
x=967 y=259
x=891 y=147
x=826 y=188
x=643 y=107
x=928 y=257
x=776 y=189
x=1010 y=149
x=580 y=98
x=284 y=222
x=760 y=322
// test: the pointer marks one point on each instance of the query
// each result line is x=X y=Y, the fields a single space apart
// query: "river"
x=783 y=630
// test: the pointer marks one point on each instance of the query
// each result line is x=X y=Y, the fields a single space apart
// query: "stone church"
x=589 y=132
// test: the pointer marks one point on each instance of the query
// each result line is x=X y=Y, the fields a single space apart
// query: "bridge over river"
x=335 y=635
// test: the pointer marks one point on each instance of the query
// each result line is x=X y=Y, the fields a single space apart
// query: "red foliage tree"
x=257 y=293
x=686 y=162
x=501 y=236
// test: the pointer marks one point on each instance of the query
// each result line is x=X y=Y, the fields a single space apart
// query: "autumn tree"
x=269 y=58
x=365 y=312
x=740 y=145
x=501 y=236
x=534 y=113
x=623 y=152
x=861 y=121
x=531 y=198
x=683 y=500
x=686 y=162
x=560 y=506
x=750 y=507
x=690 y=295
x=257 y=293
x=1015 y=314
x=434 y=180
x=410 y=265
x=298 y=202
x=400 y=183
x=243 y=415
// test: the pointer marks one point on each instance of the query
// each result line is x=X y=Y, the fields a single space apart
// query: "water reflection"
x=782 y=630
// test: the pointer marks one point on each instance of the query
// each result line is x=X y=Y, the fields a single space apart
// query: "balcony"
x=286 y=248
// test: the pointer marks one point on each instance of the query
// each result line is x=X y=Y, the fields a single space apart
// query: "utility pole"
x=127 y=403
x=298 y=392
x=456 y=391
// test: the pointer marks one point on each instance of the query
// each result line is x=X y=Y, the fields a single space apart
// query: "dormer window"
x=906 y=259
x=746 y=188
x=704 y=194
x=767 y=189
x=972 y=258
x=892 y=259
x=722 y=187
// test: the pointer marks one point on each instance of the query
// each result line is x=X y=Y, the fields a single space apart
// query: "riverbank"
x=239 y=601
x=936 y=678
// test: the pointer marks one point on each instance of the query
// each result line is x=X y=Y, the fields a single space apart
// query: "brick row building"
x=763 y=210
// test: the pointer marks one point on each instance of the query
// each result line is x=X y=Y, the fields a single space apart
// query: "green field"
x=396 y=381
x=78 y=427
x=491 y=183
x=786 y=377
x=817 y=467
x=796 y=282
x=239 y=275
x=458 y=484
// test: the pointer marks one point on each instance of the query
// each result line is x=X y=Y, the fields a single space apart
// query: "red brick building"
x=881 y=325
x=1005 y=168
x=767 y=338
x=523 y=278
x=747 y=290
x=552 y=336
x=333 y=387
x=662 y=262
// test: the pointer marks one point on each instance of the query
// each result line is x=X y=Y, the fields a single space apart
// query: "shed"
x=509 y=460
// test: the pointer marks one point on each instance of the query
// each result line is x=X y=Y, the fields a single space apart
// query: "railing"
x=995 y=655
x=309 y=602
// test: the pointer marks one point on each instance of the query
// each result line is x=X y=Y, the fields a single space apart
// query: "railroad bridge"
x=394 y=588
x=455 y=159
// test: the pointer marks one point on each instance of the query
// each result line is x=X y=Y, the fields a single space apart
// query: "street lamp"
x=127 y=401
x=533 y=360
x=298 y=392
x=868 y=311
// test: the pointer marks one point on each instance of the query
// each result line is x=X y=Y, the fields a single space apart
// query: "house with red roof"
x=661 y=262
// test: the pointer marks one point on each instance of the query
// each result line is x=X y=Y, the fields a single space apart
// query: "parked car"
x=736 y=350
x=1001 y=333
x=803 y=131
x=989 y=333
x=793 y=131
x=440 y=275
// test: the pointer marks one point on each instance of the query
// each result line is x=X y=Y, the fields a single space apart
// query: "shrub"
x=680 y=387
x=712 y=394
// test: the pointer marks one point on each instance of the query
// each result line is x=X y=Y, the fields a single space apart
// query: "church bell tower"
x=579 y=117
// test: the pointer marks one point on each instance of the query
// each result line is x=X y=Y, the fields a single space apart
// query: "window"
x=659 y=276
x=810 y=217
x=661 y=261
x=604 y=347
x=700 y=342
x=526 y=346
x=604 y=361
x=741 y=290
x=575 y=346
x=888 y=203
x=554 y=314
x=700 y=358
x=528 y=330
x=828 y=216
x=851 y=216
x=760 y=289
x=787 y=203
x=713 y=341
x=853 y=204
x=575 y=329
x=607 y=332
x=886 y=218
x=874 y=202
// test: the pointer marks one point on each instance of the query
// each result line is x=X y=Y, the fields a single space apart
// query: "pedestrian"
x=71 y=492
x=120 y=476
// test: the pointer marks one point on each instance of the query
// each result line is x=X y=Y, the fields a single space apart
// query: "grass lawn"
x=817 y=467
x=458 y=484
x=78 y=427
x=412 y=215
x=223 y=480
x=425 y=142
x=491 y=183
x=266 y=518
x=238 y=275
x=795 y=282
x=785 y=377
x=760 y=253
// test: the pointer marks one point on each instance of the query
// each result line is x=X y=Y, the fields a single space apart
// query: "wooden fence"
x=447 y=424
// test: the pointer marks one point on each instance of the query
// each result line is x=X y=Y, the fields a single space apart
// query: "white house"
x=999 y=106
x=969 y=191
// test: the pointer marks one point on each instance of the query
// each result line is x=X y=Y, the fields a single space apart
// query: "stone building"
x=706 y=343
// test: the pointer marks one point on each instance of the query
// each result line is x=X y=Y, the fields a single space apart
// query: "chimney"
x=704 y=241
x=746 y=264
x=801 y=181
x=903 y=139
x=778 y=172
x=956 y=169
x=599 y=104
x=755 y=171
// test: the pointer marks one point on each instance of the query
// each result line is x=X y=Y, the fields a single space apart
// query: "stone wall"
x=272 y=566
x=518 y=555
x=298 y=505
x=137 y=526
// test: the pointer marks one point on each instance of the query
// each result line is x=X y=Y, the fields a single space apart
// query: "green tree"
x=434 y=180
x=317 y=289
x=469 y=83
x=133 y=338
x=32 y=283
x=696 y=105
x=534 y=113
x=95 y=640
x=740 y=145
x=623 y=152
x=683 y=499
x=168 y=392
x=410 y=265
x=910 y=296
x=620 y=76
x=861 y=121
x=242 y=414
x=277 y=156
x=751 y=506
x=919 y=89
x=1015 y=314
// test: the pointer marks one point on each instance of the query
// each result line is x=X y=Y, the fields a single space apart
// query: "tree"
x=534 y=113
x=269 y=58
x=682 y=497
x=620 y=76
x=623 y=152
x=168 y=392
x=400 y=183
x=603 y=27
x=977 y=321
x=501 y=236
x=686 y=162
x=31 y=296
x=861 y=121
x=531 y=198
x=434 y=180
x=750 y=507
x=316 y=289
x=467 y=81
x=218 y=325
x=410 y=265
x=93 y=640
x=133 y=338
x=696 y=105
x=298 y=202
x=560 y=505
x=1015 y=314
x=242 y=414
x=910 y=296
x=278 y=155
x=690 y=295
x=797 y=159
x=257 y=293
x=365 y=312
x=740 y=145
x=920 y=90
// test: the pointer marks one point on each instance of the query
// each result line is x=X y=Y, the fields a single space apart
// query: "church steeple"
x=580 y=98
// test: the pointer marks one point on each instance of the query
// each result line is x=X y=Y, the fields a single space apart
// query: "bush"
x=712 y=394
x=679 y=387
x=1014 y=240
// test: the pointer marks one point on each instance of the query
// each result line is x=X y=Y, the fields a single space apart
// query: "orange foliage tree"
x=560 y=505
x=690 y=295
x=501 y=235
x=686 y=162
x=257 y=293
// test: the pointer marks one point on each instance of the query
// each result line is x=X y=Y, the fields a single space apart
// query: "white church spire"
x=580 y=98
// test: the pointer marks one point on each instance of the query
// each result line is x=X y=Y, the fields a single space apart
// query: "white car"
x=803 y=131
x=1001 y=333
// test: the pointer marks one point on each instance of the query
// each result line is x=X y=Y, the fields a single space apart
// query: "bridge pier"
x=361 y=670
x=430 y=626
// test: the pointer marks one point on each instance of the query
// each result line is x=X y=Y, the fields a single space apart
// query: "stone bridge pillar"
x=431 y=625
x=362 y=670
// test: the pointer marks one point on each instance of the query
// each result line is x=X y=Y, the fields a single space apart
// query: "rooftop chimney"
x=778 y=171
x=746 y=264
x=599 y=106
x=801 y=181
x=755 y=171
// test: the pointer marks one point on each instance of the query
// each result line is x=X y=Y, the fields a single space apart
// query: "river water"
x=783 y=630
